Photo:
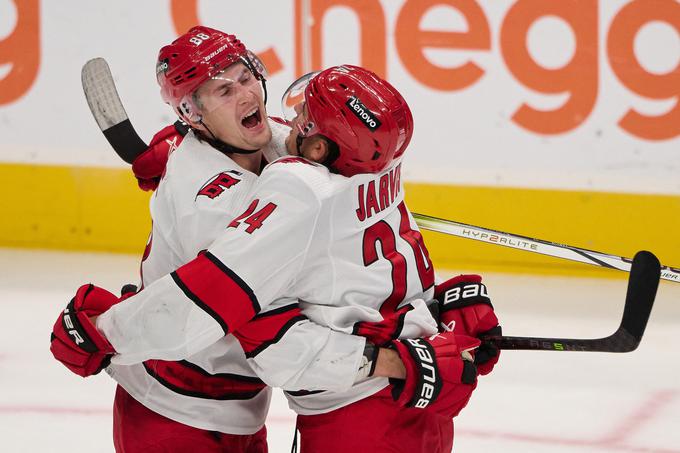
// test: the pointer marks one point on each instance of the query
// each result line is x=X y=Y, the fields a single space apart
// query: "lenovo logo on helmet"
x=361 y=112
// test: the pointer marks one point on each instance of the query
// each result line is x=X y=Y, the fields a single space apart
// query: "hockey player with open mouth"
x=328 y=229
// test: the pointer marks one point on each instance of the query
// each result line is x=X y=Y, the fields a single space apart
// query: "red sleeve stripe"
x=217 y=290
x=243 y=286
x=189 y=379
x=382 y=332
x=193 y=297
x=264 y=345
x=268 y=328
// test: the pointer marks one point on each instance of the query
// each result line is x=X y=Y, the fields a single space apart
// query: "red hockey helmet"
x=363 y=114
x=199 y=55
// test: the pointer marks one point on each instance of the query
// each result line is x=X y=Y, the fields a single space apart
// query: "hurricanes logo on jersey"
x=215 y=187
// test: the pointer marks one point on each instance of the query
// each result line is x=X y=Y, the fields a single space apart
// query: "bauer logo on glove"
x=440 y=372
x=75 y=340
x=465 y=308
x=69 y=327
x=461 y=296
x=73 y=327
x=430 y=383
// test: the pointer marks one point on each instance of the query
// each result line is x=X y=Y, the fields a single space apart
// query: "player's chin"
x=258 y=137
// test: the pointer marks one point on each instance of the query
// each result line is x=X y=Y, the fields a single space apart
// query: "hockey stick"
x=528 y=244
x=108 y=111
x=101 y=94
x=642 y=285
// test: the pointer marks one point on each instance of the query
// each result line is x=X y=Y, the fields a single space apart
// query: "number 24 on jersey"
x=254 y=219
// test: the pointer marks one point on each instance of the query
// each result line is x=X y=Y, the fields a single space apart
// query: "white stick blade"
x=101 y=94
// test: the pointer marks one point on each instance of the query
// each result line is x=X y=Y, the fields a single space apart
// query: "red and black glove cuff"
x=81 y=333
x=462 y=291
x=149 y=166
x=423 y=381
x=75 y=340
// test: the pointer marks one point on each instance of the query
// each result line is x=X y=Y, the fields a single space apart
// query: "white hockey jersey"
x=347 y=248
x=214 y=389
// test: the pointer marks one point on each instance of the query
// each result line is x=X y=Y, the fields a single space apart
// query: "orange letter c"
x=21 y=50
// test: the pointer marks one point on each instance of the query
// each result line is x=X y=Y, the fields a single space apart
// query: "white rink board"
x=463 y=136
x=544 y=402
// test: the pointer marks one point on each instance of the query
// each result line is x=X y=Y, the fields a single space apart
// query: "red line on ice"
x=56 y=410
x=644 y=413
x=611 y=441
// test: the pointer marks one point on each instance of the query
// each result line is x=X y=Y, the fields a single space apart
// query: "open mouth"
x=252 y=119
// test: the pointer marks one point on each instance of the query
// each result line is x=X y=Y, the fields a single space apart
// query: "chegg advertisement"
x=565 y=93
x=556 y=119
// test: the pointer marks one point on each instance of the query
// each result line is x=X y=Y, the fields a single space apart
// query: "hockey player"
x=211 y=401
x=219 y=292
x=339 y=125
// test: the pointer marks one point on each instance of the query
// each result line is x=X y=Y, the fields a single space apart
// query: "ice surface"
x=546 y=402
